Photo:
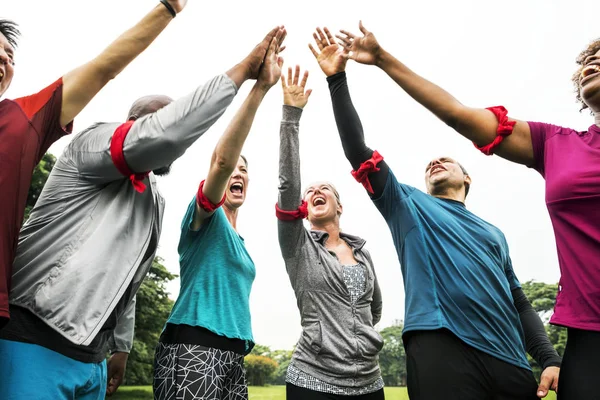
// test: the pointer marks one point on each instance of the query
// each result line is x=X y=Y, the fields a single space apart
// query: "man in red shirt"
x=29 y=125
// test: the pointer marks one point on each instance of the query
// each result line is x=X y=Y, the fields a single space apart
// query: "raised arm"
x=476 y=124
x=537 y=343
x=332 y=60
x=227 y=152
x=83 y=83
x=291 y=230
x=155 y=140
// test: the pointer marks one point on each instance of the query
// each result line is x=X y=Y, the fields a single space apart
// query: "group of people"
x=69 y=275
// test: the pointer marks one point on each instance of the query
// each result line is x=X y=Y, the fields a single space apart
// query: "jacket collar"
x=354 y=241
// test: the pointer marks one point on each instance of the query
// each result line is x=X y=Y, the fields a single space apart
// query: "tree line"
x=263 y=365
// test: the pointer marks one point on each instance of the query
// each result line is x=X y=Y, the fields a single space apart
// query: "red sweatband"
x=300 y=213
x=203 y=201
x=362 y=174
x=118 y=158
x=505 y=128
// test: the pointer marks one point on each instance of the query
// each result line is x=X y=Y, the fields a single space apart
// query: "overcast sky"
x=516 y=53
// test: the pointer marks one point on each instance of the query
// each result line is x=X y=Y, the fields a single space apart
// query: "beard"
x=162 y=171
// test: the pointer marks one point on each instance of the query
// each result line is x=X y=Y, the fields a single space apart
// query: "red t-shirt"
x=28 y=126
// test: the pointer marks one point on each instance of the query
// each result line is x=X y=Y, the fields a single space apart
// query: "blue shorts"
x=29 y=371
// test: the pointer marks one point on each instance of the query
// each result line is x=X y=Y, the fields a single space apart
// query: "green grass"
x=256 y=393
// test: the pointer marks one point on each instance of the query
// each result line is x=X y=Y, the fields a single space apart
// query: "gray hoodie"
x=338 y=344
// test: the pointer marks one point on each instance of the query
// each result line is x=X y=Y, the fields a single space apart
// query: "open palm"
x=294 y=93
x=363 y=49
x=331 y=57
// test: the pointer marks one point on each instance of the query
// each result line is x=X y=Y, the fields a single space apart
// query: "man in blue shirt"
x=468 y=321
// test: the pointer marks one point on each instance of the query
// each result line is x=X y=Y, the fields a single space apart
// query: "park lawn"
x=256 y=393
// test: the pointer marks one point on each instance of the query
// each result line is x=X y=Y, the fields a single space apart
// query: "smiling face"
x=238 y=184
x=323 y=202
x=7 y=53
x=589 y=81
x=443 y=174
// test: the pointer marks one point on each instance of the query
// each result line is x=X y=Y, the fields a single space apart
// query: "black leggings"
x=298 y=393
x=580 y=370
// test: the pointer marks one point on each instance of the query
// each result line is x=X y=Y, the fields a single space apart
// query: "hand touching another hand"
x=331 y=57
x=270 y=71
x=363 y=49
x=294 y=93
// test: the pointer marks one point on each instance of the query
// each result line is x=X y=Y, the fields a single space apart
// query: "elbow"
x=223 y=164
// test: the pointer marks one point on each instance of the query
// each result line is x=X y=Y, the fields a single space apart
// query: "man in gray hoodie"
x=91 y=239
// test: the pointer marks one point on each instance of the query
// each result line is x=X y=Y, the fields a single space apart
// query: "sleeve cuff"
x=340 y=76
x=291 y=114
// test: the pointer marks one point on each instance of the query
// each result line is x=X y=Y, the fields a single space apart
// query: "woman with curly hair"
x=568 y=160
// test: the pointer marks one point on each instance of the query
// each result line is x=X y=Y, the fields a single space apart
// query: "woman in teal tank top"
x=201 y=351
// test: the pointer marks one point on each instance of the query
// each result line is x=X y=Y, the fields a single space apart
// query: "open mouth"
x=318 y=201
x=589 y=71
x=435 y=170
x=236 y=188
x=1 y=76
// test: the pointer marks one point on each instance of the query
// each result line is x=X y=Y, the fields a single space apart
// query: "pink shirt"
x=570 y=163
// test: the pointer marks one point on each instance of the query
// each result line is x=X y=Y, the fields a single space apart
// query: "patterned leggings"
x=184 y=371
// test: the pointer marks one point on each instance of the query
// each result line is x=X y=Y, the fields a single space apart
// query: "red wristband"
x=505 y=128
x=362 y=174
x=300 y=213
x=118 y=158
x=203 y=201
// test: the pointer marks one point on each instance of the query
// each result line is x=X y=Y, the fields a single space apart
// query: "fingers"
x=313 y=50
x=289 y=81
x=296 y=75
x=280 y=38
x=545 y=382
x=344 y=41
x=283 y=85
x=304 y=79
x=318 y=41
x=362 y=28
x=330 y=39
x=307 y=93
x=322 y=37
x=348 y=34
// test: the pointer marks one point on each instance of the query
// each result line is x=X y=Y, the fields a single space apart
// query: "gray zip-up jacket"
x=338 y=344
x=91 y=234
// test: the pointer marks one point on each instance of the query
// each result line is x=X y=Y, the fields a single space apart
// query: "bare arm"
x=228 y=149
x=476 y=124
x=83 y=83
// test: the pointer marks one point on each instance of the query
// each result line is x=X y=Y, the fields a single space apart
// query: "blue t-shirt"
x=216 y=277
x=457 y=271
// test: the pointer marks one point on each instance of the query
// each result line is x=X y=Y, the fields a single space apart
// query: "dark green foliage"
x=152 y=310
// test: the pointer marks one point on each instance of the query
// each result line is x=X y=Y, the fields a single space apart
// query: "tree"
x=38 y=180
x=392 y=358
x=259 y=369
x=543 y=297
x=283 y=359
x=152 y=310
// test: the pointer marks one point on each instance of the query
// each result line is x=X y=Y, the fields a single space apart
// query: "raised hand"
x=294 y=93
x=331 y=57
x=177 y=5
x=254 y=60
x=270 y=71
x=365 y=49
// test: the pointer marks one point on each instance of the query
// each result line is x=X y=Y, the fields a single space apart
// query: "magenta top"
x=569 y=161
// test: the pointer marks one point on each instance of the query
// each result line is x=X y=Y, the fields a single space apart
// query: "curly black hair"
x=592 y=49
x=10 y=31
